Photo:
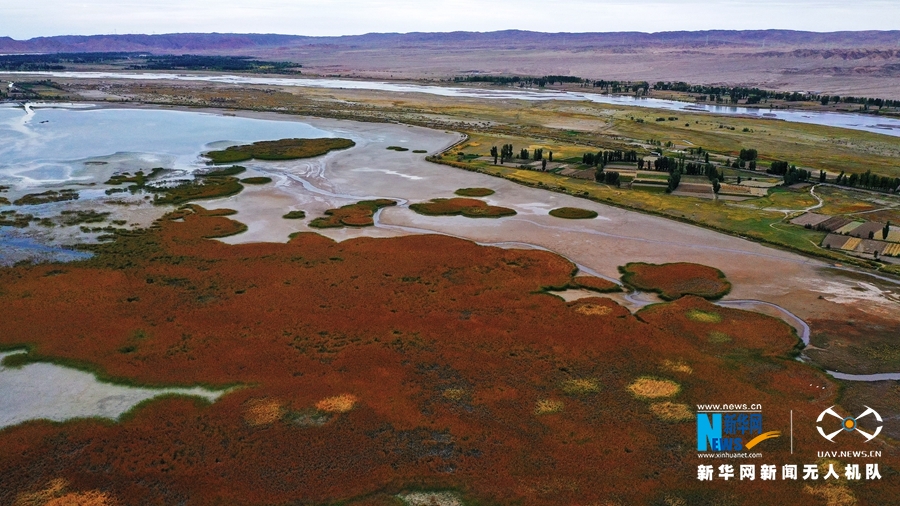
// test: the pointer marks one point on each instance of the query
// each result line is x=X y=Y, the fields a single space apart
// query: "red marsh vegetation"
x=596 y=284
x=675 y=280
x=371 y=367
x=470 y=208
x=352 y=215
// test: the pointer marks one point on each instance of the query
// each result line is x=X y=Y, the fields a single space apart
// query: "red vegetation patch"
x=675 y=280
x=374 y=366
x=596 y=284
x=470 y=208
x=702 y=321
x=353 y=215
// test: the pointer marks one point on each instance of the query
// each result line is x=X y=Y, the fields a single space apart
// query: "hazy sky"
x=21 y=20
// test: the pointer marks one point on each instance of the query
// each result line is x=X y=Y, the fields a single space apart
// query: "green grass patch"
x=294 y=215
x=204 y=188
x=703 y=316
x=284 y=149
x=397 y=148
x=420 y=151
x=474 y=192
x=718 y=337
x=227 y=171
x=33 y=199
x=573 y=213
x=256 y=180
x=139 y=178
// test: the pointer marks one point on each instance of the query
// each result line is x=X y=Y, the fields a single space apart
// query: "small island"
x=470 y=208
x=284 y=149
x=675 y=280
x=352 y=215
x=573 y=213
x=256 y=180
x=474 y=192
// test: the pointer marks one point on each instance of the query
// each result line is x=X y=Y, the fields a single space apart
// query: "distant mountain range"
x=219 y=43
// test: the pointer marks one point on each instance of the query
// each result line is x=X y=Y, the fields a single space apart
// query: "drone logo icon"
x=849 y=424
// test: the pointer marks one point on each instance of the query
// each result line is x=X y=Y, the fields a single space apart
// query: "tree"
x=716 y=186
x=748 y=154
x=821 y=176
x=506 y=153
x=543 y=164
x=674 y=180
x=494 y=154
x=551 y=156
x=886 y=230
x=612 y=178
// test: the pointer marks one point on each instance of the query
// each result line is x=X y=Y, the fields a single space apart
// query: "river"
x=852 y=121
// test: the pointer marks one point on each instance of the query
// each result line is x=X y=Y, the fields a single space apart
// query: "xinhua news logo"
x=847 y=424
x=732 y=429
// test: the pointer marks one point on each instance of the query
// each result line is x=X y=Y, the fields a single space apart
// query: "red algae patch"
x=675 y=280
x=353 y=215
x=470 y=208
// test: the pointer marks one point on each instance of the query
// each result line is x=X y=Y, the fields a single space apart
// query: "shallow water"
x=53 y=392
x=16 y=248
x=853 y=121
x=51 y=145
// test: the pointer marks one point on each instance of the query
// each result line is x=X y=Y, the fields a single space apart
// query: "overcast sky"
x=22 y=20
